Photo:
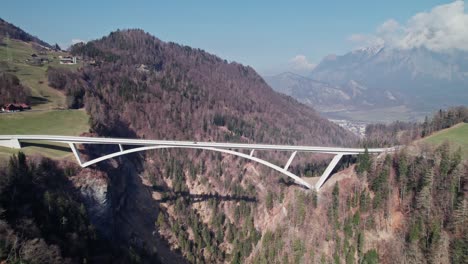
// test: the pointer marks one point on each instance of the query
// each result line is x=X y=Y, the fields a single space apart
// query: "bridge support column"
x=327 y=171
x=75 y=152
x=11 y=143
x=290 y=160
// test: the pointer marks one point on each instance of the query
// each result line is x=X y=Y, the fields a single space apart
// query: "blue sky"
x=266 y=35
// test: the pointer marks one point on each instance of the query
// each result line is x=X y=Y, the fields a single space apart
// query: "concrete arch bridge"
x=14 y=141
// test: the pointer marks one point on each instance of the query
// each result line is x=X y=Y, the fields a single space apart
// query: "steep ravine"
x=135 y=212
x=122 y=208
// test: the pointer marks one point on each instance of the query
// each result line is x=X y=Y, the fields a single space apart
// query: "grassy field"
x=457 y=136
x=13 y=56
x=43 y=119
x=56 y=122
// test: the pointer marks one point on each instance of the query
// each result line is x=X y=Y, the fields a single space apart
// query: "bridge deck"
x=189 y=144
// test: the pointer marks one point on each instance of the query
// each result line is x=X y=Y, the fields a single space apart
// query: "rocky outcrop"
x=93 y=186
x=122 y=208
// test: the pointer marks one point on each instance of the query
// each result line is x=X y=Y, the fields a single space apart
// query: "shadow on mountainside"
x=45 y=145
x=168 y=195
x=134 y=211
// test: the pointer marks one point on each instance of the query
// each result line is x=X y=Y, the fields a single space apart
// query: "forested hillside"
x=405 y=132
x=43 y=218
x=404 y=208
x=164 y=90
x=11 y=90
x=193 y=206
x=209 y=207
x=139 y=86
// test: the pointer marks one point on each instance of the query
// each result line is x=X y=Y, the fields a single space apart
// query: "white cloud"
x=444 y=27
x=77 y=40
x=363 y=40
x=73 y=41
x=389 y=26
x=357 y=37
x=300 y=64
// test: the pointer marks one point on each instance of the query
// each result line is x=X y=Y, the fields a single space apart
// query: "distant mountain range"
x=309 y=91
x=419 y=80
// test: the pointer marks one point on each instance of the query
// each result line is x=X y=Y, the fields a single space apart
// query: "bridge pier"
x=75 y=152
x=11 y=143
x=328 y=171
x=290 y=160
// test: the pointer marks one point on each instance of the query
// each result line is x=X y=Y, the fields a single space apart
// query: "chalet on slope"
x=36 y=60
x=67 y=60
x=15 y=107
x=25 y=106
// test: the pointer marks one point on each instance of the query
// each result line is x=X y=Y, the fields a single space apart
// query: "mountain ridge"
x=375 y=77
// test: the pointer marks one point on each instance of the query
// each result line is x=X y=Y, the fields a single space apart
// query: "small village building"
x=15 y=107
x=67 y=60
x=25 y=106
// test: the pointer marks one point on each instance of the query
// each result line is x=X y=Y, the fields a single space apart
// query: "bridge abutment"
x=11 y=143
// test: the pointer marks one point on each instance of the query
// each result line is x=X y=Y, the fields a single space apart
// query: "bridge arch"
x=227 y=151
x=13 y=141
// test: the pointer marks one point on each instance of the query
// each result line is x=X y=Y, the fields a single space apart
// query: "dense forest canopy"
x=43 y=218
x=405 y=132
x=11 y=90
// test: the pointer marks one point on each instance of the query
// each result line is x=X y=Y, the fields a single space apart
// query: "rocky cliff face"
x=93 y=185
x=123 y=210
